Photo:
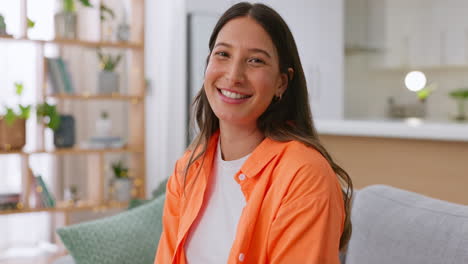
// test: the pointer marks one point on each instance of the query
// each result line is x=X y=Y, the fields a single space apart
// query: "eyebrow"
x=252 y=49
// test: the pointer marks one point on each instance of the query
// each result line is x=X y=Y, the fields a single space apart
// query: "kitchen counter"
x=411 y=128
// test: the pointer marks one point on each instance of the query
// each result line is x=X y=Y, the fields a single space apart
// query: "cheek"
x=265 y=82
x=212 y=71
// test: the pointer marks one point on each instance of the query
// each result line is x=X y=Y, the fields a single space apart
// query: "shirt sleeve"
x=170 y=220
x=309 y=224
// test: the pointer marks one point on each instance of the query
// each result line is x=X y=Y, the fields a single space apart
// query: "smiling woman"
x=255 y=185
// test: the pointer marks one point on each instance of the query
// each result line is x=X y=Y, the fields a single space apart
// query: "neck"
x=238 y=141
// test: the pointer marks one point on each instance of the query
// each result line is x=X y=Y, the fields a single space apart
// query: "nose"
x=235 y=73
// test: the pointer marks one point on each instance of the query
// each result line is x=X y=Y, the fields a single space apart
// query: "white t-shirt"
x=213 y=232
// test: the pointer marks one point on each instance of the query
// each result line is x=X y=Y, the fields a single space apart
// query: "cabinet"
x=420 y=34
x=131 y=98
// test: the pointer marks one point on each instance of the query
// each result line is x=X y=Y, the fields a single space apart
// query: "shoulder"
x=297 y=155
x=305 y=171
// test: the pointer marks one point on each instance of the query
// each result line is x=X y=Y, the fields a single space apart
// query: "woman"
x=256 y=185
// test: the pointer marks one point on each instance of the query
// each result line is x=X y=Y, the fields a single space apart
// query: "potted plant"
x=122 y=184
x=107 y=27
x=460 y=95
x=65 y=20
x=13 y=124
x=2 y=26
x=62 y=125
x=108 y=78
x=104 y=126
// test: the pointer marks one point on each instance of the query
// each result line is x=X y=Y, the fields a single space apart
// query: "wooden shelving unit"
x=71 y=151
x=117 y=97
x=70 y=208
x=135 y=95
x=79 y=43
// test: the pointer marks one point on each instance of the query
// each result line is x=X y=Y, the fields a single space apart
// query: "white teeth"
x=233 y=95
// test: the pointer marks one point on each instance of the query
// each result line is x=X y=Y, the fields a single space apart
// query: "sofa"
x=393 y=226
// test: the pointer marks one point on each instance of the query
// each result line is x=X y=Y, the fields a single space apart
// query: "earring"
x=279 y=96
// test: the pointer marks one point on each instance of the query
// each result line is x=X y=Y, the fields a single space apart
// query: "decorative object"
x=71 y=194
x=49 y=115
x=461 y=96
x=104 y=126
x=401 y=110
x=13 y=124
x=107 y=26
x=64 y=136
x=108 y=78
x=122 y=184
x=123 y=32
x=2 y=26
x=65 y=21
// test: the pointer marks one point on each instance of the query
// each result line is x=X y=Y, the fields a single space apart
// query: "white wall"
x=165 y=104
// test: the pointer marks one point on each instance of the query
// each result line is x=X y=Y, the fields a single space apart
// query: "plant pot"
x=65 y=25
x=461 y=115
x=122 y=189
x=103 y=128
x=64 y=136
x=12 y=137
x=108 y=82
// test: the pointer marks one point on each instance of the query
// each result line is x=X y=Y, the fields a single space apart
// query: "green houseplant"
x=2 y=26
x=460 y=95
x=13 y=124
x=62 y=125
x=108 y=79
x=65 y=21
x=49 y=115
x=122 y=184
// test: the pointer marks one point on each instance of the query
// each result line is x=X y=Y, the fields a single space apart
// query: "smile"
x=233 y=95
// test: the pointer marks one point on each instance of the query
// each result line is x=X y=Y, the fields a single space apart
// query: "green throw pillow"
x=129 y=237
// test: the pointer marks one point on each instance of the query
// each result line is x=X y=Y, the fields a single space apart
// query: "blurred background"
x=387 y=80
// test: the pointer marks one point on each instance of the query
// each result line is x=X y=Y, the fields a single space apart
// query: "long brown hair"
x=284 y=120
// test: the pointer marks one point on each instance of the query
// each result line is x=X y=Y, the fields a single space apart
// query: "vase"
x=108 y=82
x=103 y=128
x=64 y=136
x=12 y=137
x=461 y=115
x=122 y=189
x=65 y=25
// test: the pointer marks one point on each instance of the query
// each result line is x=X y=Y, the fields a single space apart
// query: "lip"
x=231 y=100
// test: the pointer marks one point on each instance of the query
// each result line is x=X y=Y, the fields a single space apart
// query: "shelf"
x=72 y=151
x=113 y=96
x=82 y=43
x=13 y=152
x=69 y=209
x=45 y=258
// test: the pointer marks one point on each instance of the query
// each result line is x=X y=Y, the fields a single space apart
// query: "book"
x=9 y=201
x=35 y=192
x=47 y=198
x=65 y=75
x=58 y=85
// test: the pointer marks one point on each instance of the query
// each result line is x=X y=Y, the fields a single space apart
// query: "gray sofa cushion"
x=395 y=226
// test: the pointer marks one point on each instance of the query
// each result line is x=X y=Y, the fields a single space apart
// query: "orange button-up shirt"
x=294 y=209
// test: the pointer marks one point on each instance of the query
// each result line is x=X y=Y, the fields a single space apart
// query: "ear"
x=285 y=79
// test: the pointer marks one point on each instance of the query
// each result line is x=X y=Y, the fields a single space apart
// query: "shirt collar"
x=259 y=158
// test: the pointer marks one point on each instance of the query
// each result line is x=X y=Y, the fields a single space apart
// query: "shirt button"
x=241 y=257
x=242 y=177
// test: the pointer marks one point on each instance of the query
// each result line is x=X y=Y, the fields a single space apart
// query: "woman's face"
x=242 y=75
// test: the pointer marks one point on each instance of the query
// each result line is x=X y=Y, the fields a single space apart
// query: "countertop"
x=411 y=128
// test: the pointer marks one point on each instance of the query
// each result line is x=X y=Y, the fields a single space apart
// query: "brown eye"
x=256 y=61
x=221 y=54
